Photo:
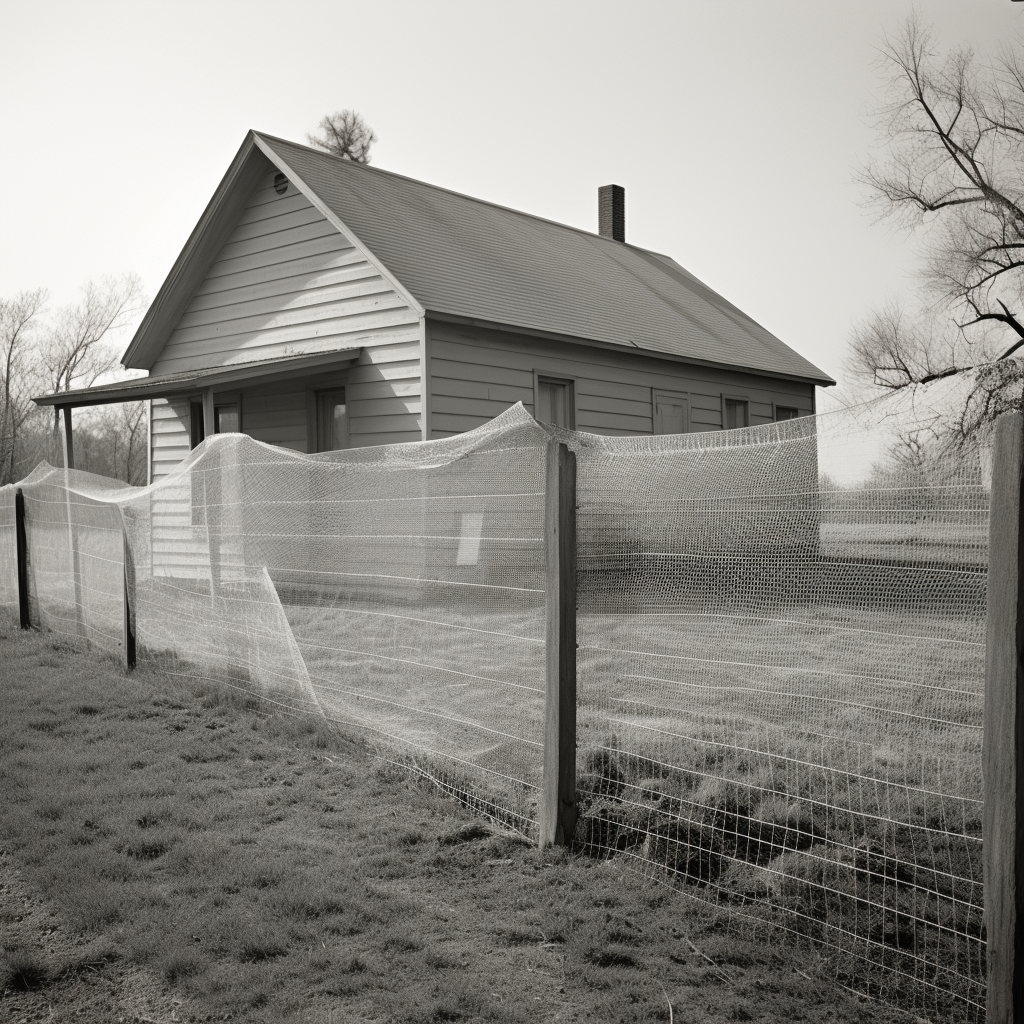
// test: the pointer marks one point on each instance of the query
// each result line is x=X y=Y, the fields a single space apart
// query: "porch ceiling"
x=190 y=382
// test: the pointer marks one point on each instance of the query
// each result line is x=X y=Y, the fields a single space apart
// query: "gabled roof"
x=467 y=259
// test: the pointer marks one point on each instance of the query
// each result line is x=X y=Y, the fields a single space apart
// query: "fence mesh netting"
x=781 y=646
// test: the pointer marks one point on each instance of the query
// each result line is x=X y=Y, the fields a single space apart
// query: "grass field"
x=813 y=767
x=183 y=855
x=819 y=772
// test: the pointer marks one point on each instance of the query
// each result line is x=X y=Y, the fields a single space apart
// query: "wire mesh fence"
x=781 y=647
x=781 y=679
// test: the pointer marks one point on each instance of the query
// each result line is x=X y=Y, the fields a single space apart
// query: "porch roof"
x=188 y=382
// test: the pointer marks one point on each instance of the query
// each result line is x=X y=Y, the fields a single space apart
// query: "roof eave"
x=820 y=379
x=176 y=385
x=193 y=263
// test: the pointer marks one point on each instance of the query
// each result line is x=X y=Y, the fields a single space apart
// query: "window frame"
x=224 y=399
x=738 y=397
x=336 y=380
x=197 y=429
x=776 y=406
x=313 y=444
x=666 y=392
x=543 y=377
x=197 y=415
x=322 y=393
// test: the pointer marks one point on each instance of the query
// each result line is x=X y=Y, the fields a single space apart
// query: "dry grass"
x=265 y=867
x=819 y=763
x=817 y=770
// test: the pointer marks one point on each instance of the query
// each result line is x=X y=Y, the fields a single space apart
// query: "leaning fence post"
x=558 y=797
x=129 y=600
x=21 y=541
x=1003 y=742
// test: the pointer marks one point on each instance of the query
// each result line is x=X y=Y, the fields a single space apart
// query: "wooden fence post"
x=129 y=601
x=1003 y=743
x=558 y=797
x=21 y=541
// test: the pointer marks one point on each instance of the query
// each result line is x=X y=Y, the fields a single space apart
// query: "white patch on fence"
x=469 y=542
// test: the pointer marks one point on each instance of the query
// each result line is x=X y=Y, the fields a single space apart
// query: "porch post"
x=209 y=426
x=76 y=568
x=69 y=441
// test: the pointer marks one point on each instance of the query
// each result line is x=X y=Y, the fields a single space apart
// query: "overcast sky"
x=736 y=128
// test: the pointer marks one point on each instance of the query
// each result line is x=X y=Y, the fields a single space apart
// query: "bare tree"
x=896 y=350
x=110 y=441
x=345 y=134
x=41 y=353
x=76 y=348
x=954 y=172
x=124 y=431
x=18 y=322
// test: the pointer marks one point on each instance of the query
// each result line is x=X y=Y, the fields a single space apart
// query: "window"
x=555 y=402
x=736 y=413
x=227 y=413
x=227 y=418
x=785 y=412
x=671 y=412
x=331 y=421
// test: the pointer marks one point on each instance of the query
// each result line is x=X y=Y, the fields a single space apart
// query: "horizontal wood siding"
x=382 y=393
x=170 y=439
x=276 y=414
x=475 y=374
x=175 y=549
x=286 y=283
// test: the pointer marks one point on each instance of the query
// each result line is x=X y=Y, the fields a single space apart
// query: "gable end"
x=285 y=282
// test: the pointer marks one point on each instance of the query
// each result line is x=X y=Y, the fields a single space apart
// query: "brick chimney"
x=611 y=212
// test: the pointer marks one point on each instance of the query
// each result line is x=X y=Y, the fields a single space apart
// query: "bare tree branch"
x=18 y=321
x=345 y=134
x=953 y=130
x=76 y=350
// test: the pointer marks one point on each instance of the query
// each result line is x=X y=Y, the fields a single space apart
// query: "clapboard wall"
x=278 y=413
x=476 y=373
x=287 y=283
x=174 y=546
